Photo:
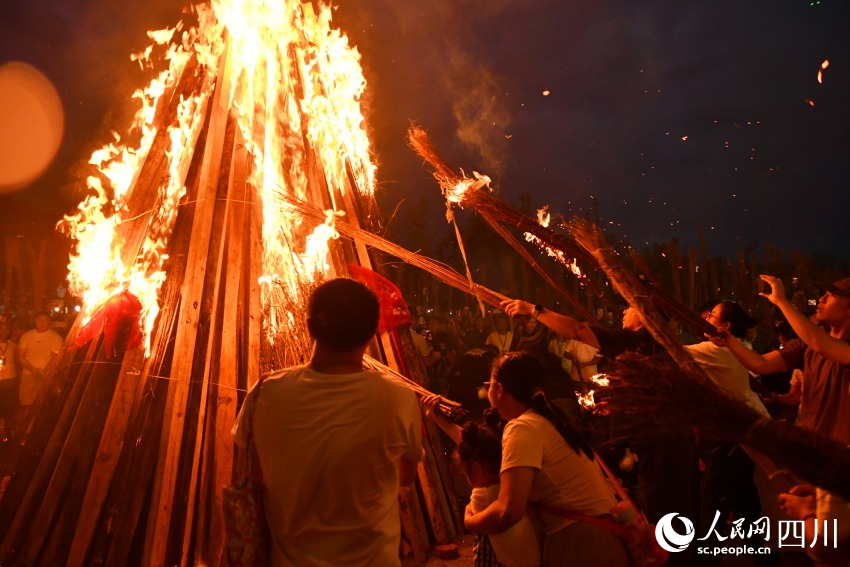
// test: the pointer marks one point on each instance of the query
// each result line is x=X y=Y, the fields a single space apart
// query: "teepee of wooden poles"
x=126 y=458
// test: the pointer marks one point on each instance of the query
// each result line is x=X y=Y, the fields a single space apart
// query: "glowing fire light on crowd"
x=544 y=219
x=295 y=89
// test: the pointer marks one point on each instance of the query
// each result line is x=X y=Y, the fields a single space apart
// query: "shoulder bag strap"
x=252 y=459
x=609 y=525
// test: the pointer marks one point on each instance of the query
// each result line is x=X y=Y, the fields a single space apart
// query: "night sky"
x=664 y=115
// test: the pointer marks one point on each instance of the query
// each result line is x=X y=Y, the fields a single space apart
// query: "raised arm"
x=767 y=363
x=450 y=428
x=561 y=324
x=815 y=337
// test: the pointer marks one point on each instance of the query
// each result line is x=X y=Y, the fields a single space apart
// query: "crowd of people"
x=528 y=459
x=28 y=353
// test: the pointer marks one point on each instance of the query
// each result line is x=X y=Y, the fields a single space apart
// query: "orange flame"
x=543 y=219
x=295 y=91
x=455 y=193
x=586 y=400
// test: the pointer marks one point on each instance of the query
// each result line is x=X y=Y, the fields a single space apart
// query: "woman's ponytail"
x=562 y=423
x=521 y=375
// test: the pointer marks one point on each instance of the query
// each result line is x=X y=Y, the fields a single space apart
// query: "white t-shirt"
x=520 y=544
x=725 y=371
x=579 y=351
x=565 y=479
x=40 y=347
x=501 y=342
x=329 y=447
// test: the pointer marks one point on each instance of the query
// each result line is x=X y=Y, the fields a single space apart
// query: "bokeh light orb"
x=31 y=125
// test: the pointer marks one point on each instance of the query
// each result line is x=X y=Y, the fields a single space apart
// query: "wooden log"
x=131 y=484
x=106 y=460
x=218 y=334
x=412 y=523
x=219 y=141
x=76 y=457
x=192 y=292
x=231 y=365
x=448 y=498
x=143 y=195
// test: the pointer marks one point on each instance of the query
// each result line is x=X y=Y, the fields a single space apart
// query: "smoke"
x=481 y=114
x=444 y=41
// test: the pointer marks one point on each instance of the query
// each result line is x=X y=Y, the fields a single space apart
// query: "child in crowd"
x=479 y=457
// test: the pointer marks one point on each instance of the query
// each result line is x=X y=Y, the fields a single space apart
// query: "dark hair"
x=739 y=320
x=468 y=375
x=342 y=314
x=482 y=442
x=707 y=305
x=522 y=376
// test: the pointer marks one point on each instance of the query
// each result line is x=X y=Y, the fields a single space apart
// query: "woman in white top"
x=546 y=461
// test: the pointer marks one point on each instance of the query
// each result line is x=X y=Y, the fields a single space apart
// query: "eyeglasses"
x=710 y=315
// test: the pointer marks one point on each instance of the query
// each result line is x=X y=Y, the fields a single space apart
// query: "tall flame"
x=295 y=91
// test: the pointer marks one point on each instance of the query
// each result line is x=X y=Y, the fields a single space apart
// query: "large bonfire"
x=189 y=245
x=294 y=85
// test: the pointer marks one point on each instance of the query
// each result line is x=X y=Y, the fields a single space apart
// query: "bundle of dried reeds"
x=492 y=208
x=284 y=309
x=448 y=407
x=655 y=394
x=437 y=269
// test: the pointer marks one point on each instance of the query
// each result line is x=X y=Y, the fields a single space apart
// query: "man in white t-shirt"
x=576 y=357
x=38 y=350
x=335 y=442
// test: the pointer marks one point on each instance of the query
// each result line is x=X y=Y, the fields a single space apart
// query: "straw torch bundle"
x=654 y=394
x=466 y=193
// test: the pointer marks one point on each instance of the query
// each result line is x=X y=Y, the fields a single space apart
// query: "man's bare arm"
x=815 y=337
x=767 y=363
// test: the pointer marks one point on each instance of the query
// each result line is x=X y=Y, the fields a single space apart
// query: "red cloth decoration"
x=118 y=318
x=394 y=311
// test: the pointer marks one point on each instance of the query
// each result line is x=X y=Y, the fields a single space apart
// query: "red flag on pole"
x=394 y=311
